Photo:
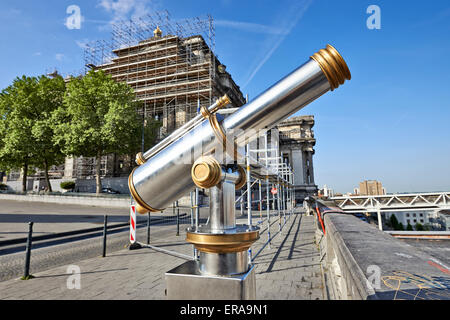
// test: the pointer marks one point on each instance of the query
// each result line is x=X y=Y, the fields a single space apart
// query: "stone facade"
x=296 y=141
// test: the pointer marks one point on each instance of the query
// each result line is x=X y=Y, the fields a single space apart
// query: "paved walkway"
x=289 y=269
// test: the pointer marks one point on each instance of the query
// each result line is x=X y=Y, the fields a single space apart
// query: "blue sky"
x=390 y=122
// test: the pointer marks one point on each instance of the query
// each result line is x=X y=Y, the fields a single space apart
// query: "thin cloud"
x=59 y=56
x=126 y=9
x=287 y=21
x=250 y=27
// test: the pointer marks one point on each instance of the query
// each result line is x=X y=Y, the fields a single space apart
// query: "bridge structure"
x=393 y=202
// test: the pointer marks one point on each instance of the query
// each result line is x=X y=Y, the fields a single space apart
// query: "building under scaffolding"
x=173 y=70
x=172 y=67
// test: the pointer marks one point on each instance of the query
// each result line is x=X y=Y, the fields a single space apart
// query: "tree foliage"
x=98 y=117
x=26 y=109
x=67 y=185
x=42 y=120
x=18 y=108
x=50 y=93
x=394 y=222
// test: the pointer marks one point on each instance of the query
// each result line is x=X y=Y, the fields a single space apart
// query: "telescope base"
x=185 y=282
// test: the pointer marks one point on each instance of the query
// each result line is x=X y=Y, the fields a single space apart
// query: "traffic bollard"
x=104 y=235
x=27 y=274
x=148 y=228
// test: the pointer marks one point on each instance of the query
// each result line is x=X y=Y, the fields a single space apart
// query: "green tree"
x=409 y=227
x=26 y=109
x=67 y=185
x=393 y=221
x=98 y=117
x=151 y=129
x=18 y=109
x=50 y=95
x=400 y=227
x=419 y=227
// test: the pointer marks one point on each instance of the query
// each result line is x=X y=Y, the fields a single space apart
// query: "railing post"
x=105 y=224
x=260 y=201
x=26 y=274
x=249 y=197
x=192 y=194
x=268 y=209
x=197 y=217
x=278 y=205
x=178 y=218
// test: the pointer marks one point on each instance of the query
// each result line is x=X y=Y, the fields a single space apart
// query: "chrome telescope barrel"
x=141 y=158
x=323 y=72
x=165 y=176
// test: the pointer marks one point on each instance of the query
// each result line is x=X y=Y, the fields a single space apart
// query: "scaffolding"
x=170 y=65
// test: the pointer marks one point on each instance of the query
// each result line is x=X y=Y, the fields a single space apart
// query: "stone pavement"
x=289 y=269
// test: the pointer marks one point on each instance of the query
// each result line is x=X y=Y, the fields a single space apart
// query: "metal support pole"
x=249 y=198
x=178 y=218
x=268 y=209
x=192 y=220
x=273 y=198
x=148 y=228
x=278 y=205
x=192 y=208
x=26 y=274
x=105 y=224
x=260 y=201
x=380 y=223
x=197 y=215
x=283 y=204
x=197 y=208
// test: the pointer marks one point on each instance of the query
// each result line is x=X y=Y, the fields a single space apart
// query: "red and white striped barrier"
x=133 y=224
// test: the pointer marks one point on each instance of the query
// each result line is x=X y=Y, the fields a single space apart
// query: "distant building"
x=443 y=219
x=296 y=140
x=370 y=188
x=326 y=192
x=412 y=217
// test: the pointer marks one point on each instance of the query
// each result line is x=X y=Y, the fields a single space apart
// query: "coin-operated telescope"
x=188 y=158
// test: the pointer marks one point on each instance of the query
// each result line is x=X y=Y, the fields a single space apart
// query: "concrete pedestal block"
x=185 y=282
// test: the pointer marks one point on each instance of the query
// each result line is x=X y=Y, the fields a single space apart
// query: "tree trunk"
x=97 y=171
x=47 y=179
x=24 y=176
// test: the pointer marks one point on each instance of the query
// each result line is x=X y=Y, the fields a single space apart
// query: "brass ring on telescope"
x=206 y=172
x=332 y=65
x=222 y=243
x=219 y=133
x=140 y=158
x=141 y=207
x=205 y=112
x=242 y=178
x=221 y=102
